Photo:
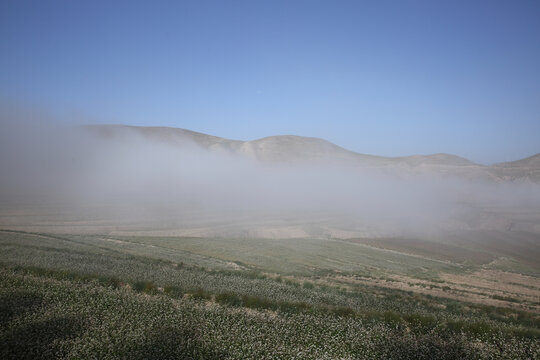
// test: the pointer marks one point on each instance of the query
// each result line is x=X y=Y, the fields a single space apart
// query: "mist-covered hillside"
x=178 y=182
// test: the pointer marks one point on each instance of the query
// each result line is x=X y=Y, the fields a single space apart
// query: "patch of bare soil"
x=499 y=283
x=489 y=287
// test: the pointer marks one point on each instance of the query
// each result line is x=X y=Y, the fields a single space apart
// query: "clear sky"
x=381 y=77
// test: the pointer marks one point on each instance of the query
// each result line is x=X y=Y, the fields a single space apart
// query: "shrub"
x=201 y=294
x=229 y=299
x=173 y=291
x=145 y=287
x=343 y=311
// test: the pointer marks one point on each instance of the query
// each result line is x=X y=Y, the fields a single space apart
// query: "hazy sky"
x=380 y=77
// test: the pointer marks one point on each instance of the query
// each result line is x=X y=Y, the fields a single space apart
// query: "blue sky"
x=381 y=77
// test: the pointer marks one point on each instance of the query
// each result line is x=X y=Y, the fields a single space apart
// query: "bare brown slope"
x=168 y=135
x=437 y=159
x=529 y=162
x=280 y=148
x=293 y=149
x=527 y=169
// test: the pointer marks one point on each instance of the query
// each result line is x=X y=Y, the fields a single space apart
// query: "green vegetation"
x=75 y=297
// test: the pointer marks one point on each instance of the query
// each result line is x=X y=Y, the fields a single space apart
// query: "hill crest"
x=299 y=149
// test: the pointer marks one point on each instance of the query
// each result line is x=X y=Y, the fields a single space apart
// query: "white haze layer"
x=69 y=171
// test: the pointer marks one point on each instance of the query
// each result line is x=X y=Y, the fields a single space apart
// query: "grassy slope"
x=92 y=288
x=300 y=256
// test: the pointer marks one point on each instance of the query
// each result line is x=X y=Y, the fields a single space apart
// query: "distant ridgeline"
x=299 y=149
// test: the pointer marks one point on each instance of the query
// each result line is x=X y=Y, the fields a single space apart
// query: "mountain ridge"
x=297 y=149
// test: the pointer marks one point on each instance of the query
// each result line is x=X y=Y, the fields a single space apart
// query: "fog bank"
x=147 y=184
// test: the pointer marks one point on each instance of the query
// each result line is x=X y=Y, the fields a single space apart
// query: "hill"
x=300 y=149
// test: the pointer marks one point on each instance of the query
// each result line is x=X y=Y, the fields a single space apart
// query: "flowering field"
x=78 y=297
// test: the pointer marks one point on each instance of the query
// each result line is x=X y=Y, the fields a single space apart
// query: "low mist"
x=71 y=176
